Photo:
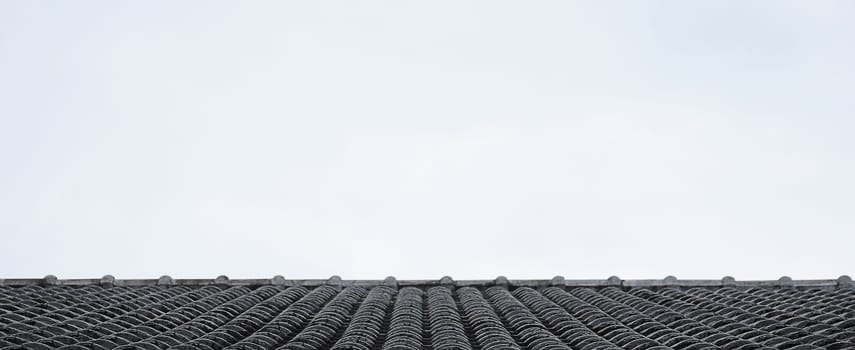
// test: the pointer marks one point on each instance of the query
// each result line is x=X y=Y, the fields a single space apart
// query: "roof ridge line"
x=557 y=281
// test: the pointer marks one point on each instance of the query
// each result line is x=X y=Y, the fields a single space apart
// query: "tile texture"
x=498 y=314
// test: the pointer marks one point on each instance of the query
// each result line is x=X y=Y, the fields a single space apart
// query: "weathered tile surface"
x=497 y=314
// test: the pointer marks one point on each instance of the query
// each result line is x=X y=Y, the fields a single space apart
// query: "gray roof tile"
x=278 y=313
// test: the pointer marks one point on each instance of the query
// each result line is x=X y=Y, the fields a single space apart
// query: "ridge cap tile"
x=843 y=281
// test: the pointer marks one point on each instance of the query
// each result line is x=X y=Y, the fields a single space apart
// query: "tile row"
x=215 y=317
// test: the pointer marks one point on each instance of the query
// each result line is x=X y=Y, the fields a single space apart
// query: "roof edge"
x=842 y=282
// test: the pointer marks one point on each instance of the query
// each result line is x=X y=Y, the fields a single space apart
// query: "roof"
x=279 y=313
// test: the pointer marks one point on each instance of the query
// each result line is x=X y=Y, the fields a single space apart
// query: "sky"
x=420 y=139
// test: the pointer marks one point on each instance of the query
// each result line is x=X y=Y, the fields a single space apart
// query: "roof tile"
x=222 y=313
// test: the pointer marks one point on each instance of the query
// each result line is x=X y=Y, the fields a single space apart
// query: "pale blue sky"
x=419 y=139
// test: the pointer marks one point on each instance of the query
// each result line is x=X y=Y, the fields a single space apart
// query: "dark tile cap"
x=108 y=281
x=165 y=280
x=334 y=280
x=390 y=281
x=845 y=282
x=50 y=280
x=501 y=281
x=670 y=281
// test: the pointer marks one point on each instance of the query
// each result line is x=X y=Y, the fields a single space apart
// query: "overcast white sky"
x=420 y=139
